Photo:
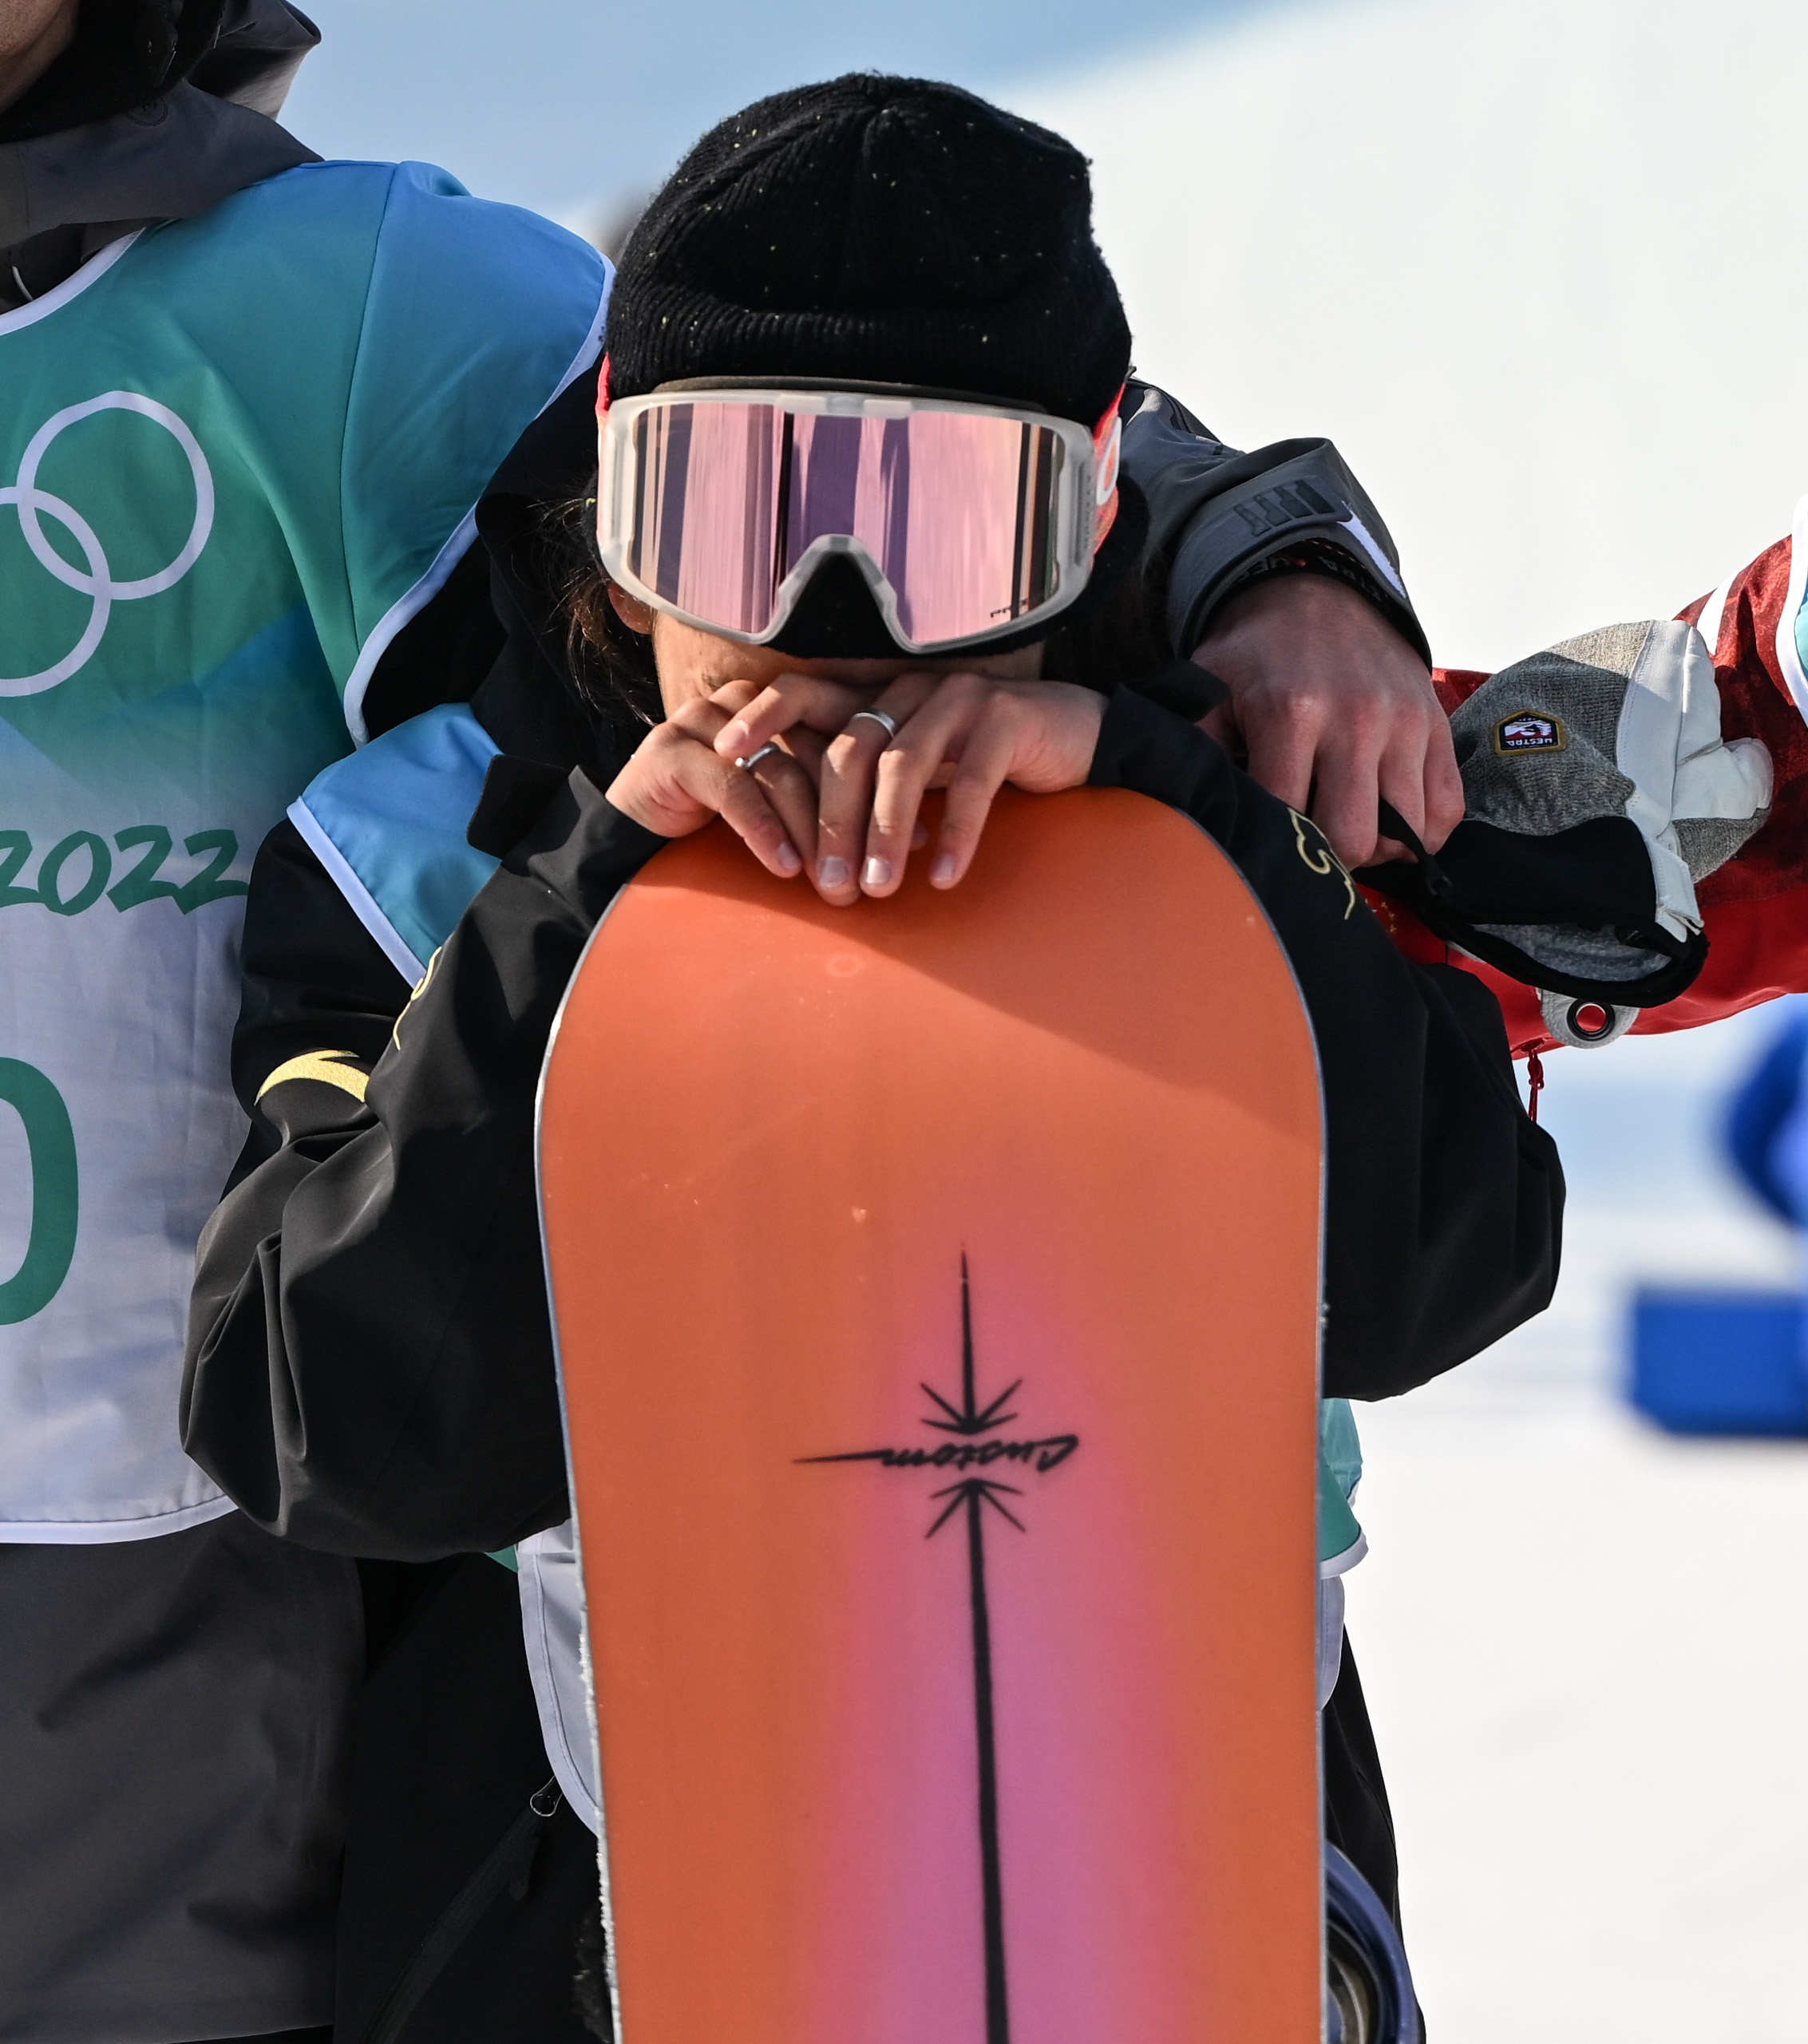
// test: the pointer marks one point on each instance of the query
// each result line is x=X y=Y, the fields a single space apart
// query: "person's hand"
x=968 y=732
x=1324 y=691
x=677 y=782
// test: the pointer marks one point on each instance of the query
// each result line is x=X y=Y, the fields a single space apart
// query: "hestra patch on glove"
x=1528 y=731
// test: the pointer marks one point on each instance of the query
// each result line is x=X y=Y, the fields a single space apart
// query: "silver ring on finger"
x=752 y=759
x=882 y=718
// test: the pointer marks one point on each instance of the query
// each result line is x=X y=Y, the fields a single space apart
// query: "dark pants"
x=448 y=1754
x=1357 y=1820
x=175 y=1736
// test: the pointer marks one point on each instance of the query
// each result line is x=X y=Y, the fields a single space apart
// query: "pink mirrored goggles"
x=968 y=520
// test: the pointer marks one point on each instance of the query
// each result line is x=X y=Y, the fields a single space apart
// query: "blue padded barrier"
x=1720 y=1361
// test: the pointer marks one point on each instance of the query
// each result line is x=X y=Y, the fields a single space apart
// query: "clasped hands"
x=1330 y=708
x=827 y=791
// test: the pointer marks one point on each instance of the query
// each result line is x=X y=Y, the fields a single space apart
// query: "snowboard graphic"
x=936 y=1287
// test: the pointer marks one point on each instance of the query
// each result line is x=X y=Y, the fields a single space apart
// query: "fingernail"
x=733 y=737
x=787 y=858
x=941 y=874
x=832 y=872
x=877 y=873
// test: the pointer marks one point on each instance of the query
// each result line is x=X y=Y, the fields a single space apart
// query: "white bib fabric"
x=553 y=1624
x=88 y=1444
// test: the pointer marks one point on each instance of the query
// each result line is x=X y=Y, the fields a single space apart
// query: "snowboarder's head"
x=860 y=399
x=875 y=229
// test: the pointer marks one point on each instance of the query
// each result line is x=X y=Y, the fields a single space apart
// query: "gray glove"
x=1599 y=791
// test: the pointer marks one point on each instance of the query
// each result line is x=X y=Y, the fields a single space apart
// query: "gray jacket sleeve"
x=1215 y=513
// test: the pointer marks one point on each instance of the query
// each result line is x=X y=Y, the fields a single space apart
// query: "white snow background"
x=1535 y=267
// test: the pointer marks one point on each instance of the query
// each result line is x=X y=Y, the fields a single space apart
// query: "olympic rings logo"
x=34 y=505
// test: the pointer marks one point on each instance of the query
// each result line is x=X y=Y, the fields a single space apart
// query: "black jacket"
x=369 y=1360
x=370 y=1363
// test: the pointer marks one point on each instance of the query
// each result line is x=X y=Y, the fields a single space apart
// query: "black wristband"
x=1320 y=557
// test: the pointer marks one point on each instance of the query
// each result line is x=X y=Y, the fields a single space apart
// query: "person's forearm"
x=1280 y=579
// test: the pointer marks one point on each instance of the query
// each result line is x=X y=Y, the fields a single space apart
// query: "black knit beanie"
x=875 y=229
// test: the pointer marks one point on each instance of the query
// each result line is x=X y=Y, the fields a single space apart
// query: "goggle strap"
x=1107 y=438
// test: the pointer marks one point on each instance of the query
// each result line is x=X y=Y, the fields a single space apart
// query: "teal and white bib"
x=237 y=453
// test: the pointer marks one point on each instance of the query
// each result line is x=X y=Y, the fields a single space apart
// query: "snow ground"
x=1582 y=1640
x=1531 y=265
x=1591 y=1730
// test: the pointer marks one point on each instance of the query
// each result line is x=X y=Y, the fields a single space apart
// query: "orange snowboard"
x=936 y=1284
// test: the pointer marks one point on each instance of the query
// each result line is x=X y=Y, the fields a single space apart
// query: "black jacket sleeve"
x=1215 y=514
x=371 y=1364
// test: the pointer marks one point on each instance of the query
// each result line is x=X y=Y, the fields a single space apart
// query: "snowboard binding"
x=1368 y=1994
